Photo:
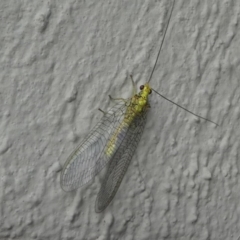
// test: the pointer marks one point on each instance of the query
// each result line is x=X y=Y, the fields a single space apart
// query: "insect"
x=112 y=142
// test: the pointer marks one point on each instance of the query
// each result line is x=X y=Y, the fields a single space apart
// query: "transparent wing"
x=119 y=163
x=90 y=158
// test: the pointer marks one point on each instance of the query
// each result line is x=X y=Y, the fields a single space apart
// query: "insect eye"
x=150 y=91
x=141 y=87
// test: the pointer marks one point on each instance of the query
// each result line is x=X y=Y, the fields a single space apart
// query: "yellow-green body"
x=136 y=105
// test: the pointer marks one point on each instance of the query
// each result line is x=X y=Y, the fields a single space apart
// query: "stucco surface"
x=59 y=60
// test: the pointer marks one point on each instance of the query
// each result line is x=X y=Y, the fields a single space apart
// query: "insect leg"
x=117 y=99
x=102 y=111
x=134 y=91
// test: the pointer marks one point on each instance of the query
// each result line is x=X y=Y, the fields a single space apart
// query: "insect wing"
x=119 y=163
x=89 y=158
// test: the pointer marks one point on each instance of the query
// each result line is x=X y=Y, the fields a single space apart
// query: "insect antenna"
x=184 y=108
x=155 y=67
x=160 y=49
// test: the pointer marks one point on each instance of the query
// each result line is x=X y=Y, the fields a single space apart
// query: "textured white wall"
x=60 y=59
